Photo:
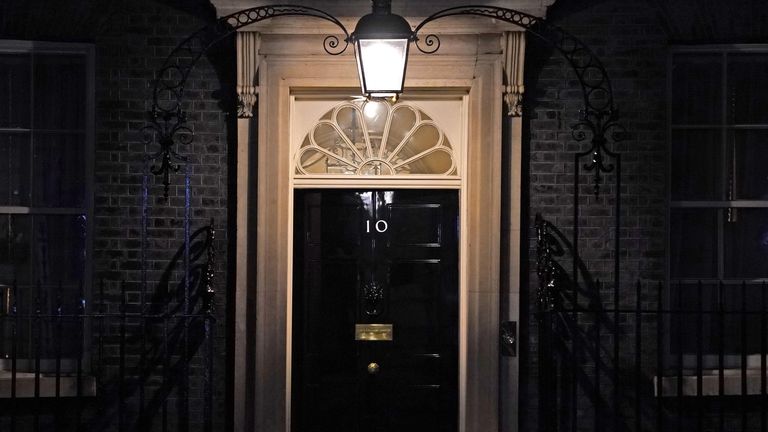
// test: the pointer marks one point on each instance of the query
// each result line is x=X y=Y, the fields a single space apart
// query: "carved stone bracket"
x=514 y=60
x=247 y=68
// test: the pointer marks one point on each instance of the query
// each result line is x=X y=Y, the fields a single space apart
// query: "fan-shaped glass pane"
x=376 y=115
x=424 y=138
x=314 y=161
x=328 y=138
x=351 y=124
x=403 y=121
x=434 y=162
x=375 y=138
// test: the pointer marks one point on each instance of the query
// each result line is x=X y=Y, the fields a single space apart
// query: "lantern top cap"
x=381 y=23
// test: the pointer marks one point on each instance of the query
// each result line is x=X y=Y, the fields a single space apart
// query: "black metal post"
x=121 y=383
x=58 y=354
x=638 y=358
x=547 y=422
x=143 y=300
x=100 y=369
x=763 y=353
x=186 y=355
x=617 y=414
x=209 y=321
x=81 y=311
x=208 y=409
x=699 y=355
x=743 y=351
x=679 y=313
x=660 y=420
x=597 y=394
x=37 y=337
x=721 y=353
x=574 y=387
x=14 y=353
x=166 y=370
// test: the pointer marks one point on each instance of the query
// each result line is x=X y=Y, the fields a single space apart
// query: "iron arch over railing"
x=167 y=117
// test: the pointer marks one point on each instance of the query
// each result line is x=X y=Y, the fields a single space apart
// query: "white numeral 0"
x=380 y=226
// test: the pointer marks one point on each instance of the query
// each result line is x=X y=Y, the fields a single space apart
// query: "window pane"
x=696 y=165
x=59 y=92
x=15 y=249
x=746 y=244
x=689 y=297
x=14 y=169
x=351 y=125
x=751 y=171
x=14 y=90
x=747 y=75
x=693 y=243
x=686 y=333
x=59 y=249
x=697 y=89
x=59 y=170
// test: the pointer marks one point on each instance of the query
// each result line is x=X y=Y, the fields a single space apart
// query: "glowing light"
x=381 y=64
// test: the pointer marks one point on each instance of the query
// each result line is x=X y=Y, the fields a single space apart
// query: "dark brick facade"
x=629 y=39
x=128 y=54
x=632 y=39
x=132 y=39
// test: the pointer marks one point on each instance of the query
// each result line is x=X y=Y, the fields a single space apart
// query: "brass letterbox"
x=373 y=332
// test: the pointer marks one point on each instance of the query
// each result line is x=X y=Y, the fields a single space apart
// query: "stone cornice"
x=406 y=8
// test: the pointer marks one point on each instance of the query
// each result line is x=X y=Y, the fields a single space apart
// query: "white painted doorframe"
x=263 y=247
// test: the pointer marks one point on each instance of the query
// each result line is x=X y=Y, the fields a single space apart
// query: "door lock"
x=373 y=368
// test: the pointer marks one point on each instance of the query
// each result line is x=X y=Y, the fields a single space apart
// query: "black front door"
x=375 y=311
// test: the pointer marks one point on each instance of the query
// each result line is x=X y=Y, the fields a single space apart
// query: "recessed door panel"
x=375 y=306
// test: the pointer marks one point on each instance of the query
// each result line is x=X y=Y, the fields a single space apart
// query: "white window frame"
x=709 y=360
x=88 y=52
x=723 y=127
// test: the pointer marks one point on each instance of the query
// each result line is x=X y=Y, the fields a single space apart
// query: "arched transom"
x=375 y=138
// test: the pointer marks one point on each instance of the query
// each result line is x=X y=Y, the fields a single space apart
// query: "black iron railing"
x=103 y=365
x=650 y=357
x=117 y=359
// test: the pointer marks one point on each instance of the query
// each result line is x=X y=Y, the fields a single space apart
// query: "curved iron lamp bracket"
x=168 y=117
x=599 y=117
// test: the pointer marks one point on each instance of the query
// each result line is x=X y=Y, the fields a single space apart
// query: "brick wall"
x=132 y=39
x=630 y=41
x=137 y=42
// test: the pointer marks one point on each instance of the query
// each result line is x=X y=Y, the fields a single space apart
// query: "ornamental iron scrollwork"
x=167 y=128
x=209 y=271
x=547 y=269
x=599 y=117
x=167 y=123
x=599 y=125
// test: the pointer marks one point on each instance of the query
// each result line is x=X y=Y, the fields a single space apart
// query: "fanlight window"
x=375 y=138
